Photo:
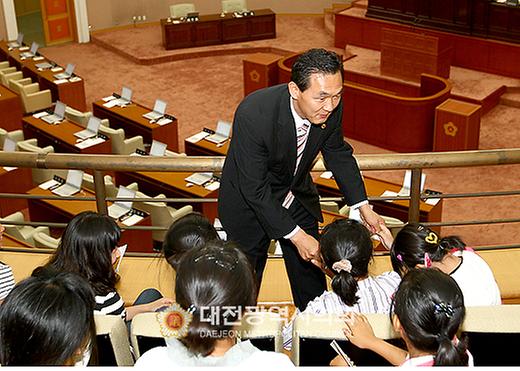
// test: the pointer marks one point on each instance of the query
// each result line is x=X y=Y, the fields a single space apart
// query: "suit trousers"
x=307 y=281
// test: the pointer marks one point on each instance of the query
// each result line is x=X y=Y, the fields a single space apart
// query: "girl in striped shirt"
x=346 y=249
x=88 y=247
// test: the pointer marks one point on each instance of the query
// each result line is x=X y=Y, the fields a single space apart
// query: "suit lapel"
x=287 y=132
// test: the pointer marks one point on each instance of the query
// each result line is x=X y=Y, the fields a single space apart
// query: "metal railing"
x=416 y=162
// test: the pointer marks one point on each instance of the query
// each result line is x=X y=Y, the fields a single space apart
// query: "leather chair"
x=162 y=215
x=113 y=346
x=40 y=175
x=17 y=75
x=230 y=6
x=181 y=10
x=34 y=99
x=76 y=116
x=22 y=232
x=120 y=145
x=15 y=135
x=45 y=241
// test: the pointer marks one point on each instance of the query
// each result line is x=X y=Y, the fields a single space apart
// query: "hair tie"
x=432 y=238
x=342 y=265
x=444 y=308
x=427 y=260
x=399 y=257
x=174 y=321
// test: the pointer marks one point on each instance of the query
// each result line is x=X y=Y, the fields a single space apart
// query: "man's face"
x=318 y=101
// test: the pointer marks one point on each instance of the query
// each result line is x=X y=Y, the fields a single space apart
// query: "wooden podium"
x=457 y=126
x=260 y=71
x=406 y=55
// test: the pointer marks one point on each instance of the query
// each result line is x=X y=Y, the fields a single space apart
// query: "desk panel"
x=70 y=93
x=375 y=187
x=18 y=180
x=10 y=110
x=173 y=185
x=62 y=211
x=130 y=118
x=213 y=30
x=61 y=136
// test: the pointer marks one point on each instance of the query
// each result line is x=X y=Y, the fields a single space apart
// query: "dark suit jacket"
x=259 y=167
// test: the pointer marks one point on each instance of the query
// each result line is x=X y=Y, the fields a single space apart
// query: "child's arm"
x=360 y=333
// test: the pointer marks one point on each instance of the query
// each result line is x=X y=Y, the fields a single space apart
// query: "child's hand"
x=386 y=236
x=358 y=330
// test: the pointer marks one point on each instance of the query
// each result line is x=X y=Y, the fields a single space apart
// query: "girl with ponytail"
x=346 y=249
x=418 y=246
x=428 y=310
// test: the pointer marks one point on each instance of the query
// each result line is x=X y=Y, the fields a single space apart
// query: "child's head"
x=429 y=307
x=218 y=279
x=87 y=247
x=417 y=245
x=47 y=320
x=189 y=232
x=346 y=248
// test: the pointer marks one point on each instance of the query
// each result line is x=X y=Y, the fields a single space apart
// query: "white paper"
x=197 y=137
x=432 y=201
x=9 y=168
x=389 y=194
x=110 y=104
x=109 y=98
x=40 y=114
x=213 y=186
x=23 y=48
x=134 y=219
x=326 y=175
x=48 y=184
x=36 y=59
x=158 y=148
x=89 y=142
x=407 y=183
x=9 y=145
x=122 y=251
x=60 y=81
x=75 y=79
x=163 y=121
x=56 y=69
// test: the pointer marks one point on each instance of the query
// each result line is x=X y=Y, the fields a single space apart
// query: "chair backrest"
x=312 y=335
x=43 y=240
x=113 y=347
x=181 y=10
x=263 y=329
x=493 y=334
x=76 y=116
x=39 y=175
x=230 y=6
x=17 y=75
x=145 y=333
x=117 y=137
x=14 y=230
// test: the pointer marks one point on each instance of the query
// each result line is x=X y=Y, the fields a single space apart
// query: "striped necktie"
x=302 y=133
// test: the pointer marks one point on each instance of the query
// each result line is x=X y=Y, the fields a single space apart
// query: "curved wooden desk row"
x=400 y=119
x=139 y=273
x=70 y=93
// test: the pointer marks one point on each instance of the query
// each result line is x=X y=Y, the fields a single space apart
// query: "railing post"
x=415 y=196
x=99 y=189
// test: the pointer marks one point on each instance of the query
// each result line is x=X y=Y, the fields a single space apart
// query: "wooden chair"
x=181 y=10
x=112 y=341
x=312 y=335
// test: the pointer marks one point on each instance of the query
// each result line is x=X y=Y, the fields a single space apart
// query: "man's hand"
x=370 y=218
x=308 y=247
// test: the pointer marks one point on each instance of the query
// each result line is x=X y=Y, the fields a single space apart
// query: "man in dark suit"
x=266 y=189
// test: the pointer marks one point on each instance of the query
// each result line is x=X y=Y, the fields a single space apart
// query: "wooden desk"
x=205 y=148
x=9 y=241
x=213 y=30
x=70 y=93
x=61 y=136
x=375 y=187
x=62 y=211
x=172 y=185
x=15 y=181
x=130 y=118
x=10 y=110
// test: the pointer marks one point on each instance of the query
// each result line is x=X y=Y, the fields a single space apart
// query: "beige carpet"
x=199 y=91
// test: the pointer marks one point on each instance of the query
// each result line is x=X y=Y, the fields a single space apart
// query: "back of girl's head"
x=430 y=307
x=46 y=320
x=86 y=249
x=414 y=241
x=346 y=248
x=215 y=283
x=189 y=232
